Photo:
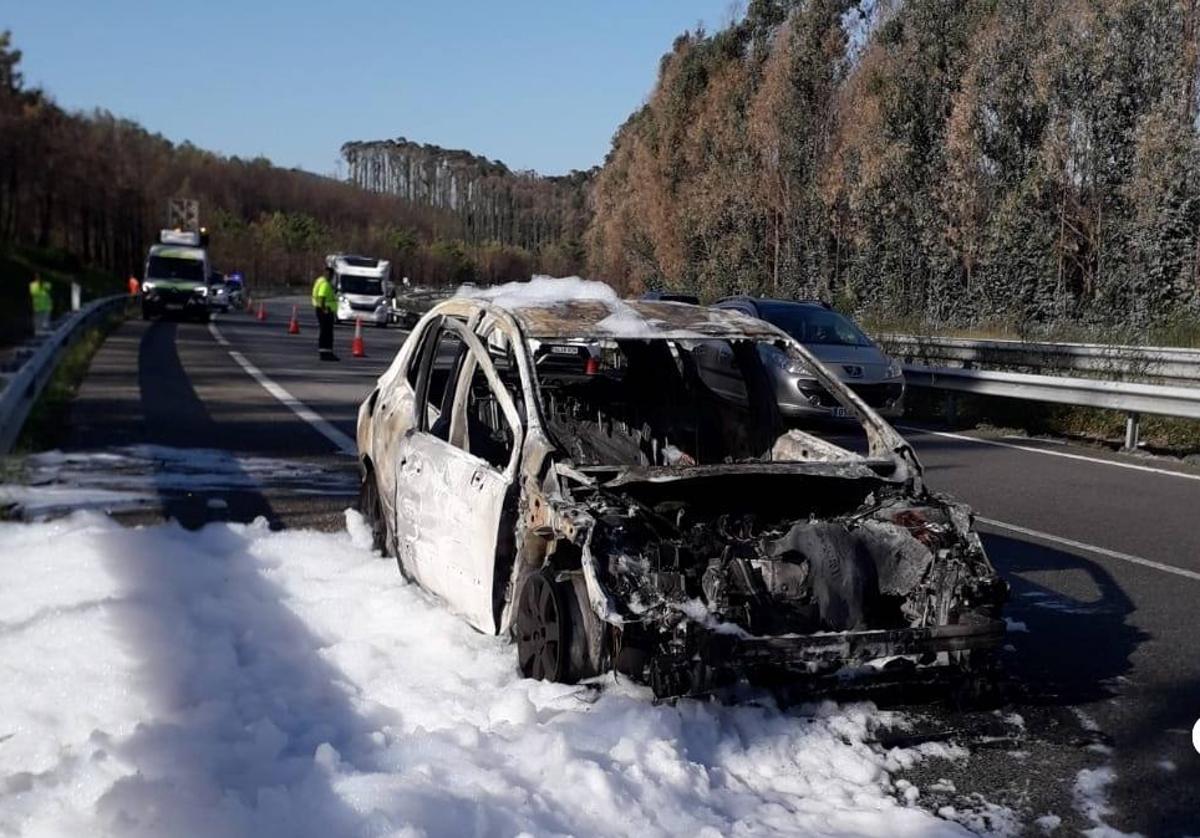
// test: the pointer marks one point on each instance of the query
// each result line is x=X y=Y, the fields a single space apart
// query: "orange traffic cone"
x=262 y=311
x=356 y=346
x=294 y=325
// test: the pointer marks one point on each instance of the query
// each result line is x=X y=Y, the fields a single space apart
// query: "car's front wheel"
x=543 y=629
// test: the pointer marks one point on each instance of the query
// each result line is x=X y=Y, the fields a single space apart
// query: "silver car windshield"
x=810 y=324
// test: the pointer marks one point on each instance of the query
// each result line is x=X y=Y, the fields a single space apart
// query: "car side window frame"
x=428 y=356
x=477 y=355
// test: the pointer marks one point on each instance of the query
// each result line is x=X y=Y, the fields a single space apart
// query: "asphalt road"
x=1104 y=656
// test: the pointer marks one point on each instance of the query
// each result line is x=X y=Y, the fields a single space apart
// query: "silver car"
x=839 y=344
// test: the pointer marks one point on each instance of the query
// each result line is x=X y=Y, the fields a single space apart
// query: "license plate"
x=564 y=350
x=840 y=412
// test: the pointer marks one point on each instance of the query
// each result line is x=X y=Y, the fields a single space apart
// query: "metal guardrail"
x=25 y=385
x=1132 y=379
x=1131 y=398
x=1144 y=363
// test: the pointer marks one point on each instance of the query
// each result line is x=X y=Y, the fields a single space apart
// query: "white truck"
x=177 y=275
x=364 y=288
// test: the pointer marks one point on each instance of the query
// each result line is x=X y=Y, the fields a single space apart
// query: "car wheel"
x=543 y=628
x=371 y=506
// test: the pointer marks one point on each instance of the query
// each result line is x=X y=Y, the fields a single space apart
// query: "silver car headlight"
x=894 y=370
x=147 y=286
x=201 y=290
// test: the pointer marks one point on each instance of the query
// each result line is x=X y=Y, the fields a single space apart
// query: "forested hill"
x=492 y=203
x=91 y=190
x=1005 y=161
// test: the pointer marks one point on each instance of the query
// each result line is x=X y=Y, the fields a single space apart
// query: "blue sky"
x=539 y=85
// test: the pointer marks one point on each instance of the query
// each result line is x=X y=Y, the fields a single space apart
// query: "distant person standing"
x=134 y=286
x=43 y=305
x=324 y=302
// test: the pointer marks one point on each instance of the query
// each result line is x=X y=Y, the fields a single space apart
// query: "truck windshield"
x=171 y=267
x=361 y=285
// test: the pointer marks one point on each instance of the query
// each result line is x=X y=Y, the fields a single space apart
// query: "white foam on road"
x=340 y=441
x=238 y=682
x=136 y=477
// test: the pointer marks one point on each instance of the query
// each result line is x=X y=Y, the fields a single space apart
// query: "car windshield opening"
x=680 y=402
x=172 y=267
x=361 y=285
x=812 y=325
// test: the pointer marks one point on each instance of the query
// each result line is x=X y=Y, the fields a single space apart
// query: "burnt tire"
x=371 y=507
x=544 y=629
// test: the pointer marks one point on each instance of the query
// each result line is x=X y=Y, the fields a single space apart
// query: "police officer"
x=43 y=305
x=324 y=302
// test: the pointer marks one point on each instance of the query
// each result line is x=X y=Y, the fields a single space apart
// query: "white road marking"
x=1091 y=548
x=1035 y=450
x=342 y=442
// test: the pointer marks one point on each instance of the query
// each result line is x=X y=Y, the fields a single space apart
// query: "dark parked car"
x=671 y=297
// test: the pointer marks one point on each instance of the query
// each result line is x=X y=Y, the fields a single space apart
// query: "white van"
x=364 y=288
x=176 y=276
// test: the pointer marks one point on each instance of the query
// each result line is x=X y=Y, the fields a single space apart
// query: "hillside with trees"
x=90 y=191
x=534 y=219
x=954 y=161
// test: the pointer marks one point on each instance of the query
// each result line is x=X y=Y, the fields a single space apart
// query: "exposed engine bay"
x=712 y=577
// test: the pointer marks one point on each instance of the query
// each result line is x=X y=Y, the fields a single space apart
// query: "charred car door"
x=454 y=472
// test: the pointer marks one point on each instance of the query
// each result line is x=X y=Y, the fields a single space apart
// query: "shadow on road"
x=176 y=416
x=1078 y=640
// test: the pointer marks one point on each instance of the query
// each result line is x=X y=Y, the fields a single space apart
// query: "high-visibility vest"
x=39 y=293
x=323 y=296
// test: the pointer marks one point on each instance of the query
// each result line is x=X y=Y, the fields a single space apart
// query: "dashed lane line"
x=340 y=441
x=1090 y=548
x=1033 y=449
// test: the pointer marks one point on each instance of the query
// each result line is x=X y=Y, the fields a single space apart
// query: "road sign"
x=183 y=214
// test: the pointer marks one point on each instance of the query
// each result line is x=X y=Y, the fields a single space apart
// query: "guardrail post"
x=951 y=412
x=1131 y=431
x=76 y=296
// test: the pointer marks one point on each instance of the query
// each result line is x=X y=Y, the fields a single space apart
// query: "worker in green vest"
x=324 y=300
x=43 y=305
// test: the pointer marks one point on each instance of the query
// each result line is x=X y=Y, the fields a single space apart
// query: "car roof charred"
x=549 y=309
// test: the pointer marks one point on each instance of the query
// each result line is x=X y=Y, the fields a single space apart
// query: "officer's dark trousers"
x=324 y=329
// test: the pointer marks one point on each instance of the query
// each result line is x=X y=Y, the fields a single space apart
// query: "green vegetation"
x=1017 y=165
x=47 y=423
x=60 y=269
x=96 y=186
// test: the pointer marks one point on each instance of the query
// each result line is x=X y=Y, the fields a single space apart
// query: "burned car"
x=633 y=518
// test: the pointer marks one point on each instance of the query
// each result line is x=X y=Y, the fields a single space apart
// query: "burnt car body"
x=634 y=519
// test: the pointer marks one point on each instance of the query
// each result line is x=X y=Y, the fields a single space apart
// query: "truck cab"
x=364 y=288
x=176 y=276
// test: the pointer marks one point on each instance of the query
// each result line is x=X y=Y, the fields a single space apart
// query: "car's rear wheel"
x=371 y=506
x=543 y=629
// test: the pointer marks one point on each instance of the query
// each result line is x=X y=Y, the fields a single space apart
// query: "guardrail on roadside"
x=26 y=384
x=1145 y=363
x=1131 y=398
